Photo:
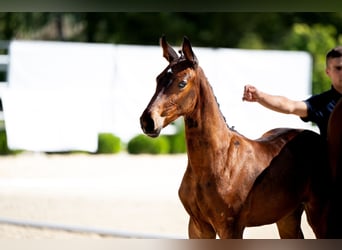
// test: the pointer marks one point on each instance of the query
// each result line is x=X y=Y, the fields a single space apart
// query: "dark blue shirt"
x=320 y=107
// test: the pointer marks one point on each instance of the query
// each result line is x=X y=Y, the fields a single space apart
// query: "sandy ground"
x=122 y=193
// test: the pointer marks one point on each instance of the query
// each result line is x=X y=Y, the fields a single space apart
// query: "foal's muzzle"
x=149 y=126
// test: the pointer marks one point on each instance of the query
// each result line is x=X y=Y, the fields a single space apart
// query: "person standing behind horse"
x=318 y=109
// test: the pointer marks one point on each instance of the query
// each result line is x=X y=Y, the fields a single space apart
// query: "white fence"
x=60 y=95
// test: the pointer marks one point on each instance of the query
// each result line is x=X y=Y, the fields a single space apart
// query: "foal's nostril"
x=147 y=123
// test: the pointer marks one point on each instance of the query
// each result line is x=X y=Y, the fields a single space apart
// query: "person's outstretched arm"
x=277 y=103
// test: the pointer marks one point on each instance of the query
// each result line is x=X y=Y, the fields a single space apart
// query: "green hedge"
x=108 y=144
x=4 y=150
x=142 y=144
x=177 y=143
x=164 y=144
x=111 y=144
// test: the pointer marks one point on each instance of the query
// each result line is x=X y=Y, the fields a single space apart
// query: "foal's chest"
x=203 y=199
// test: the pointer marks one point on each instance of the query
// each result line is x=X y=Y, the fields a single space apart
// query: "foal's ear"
x=187 y=51
x=168 y=52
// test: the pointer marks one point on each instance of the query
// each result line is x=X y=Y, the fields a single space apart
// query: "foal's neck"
x=206 y=128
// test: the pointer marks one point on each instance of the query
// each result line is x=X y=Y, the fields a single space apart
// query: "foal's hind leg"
x=289 y=226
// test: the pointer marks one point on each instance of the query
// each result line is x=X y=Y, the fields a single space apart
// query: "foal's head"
x=176 y=93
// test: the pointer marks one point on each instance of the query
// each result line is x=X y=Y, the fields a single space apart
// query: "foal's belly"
x=271 y=200
x=268 y=211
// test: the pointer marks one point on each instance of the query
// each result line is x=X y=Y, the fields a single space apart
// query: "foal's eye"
x=182 y=84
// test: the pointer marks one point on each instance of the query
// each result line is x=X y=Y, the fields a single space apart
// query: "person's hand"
x=250 y=93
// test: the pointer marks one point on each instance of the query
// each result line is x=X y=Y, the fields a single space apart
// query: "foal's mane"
x=218 y=104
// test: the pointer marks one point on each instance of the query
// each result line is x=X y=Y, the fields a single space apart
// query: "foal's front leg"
x=200 y=230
